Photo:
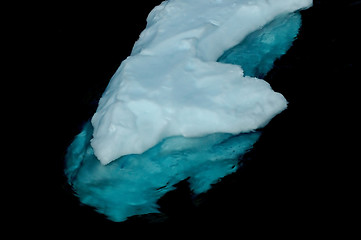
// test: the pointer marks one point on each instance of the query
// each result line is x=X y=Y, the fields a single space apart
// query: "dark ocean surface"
x=297 y=178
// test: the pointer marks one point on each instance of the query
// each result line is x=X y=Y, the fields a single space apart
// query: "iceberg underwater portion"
x=133 y=184
x=187 y=104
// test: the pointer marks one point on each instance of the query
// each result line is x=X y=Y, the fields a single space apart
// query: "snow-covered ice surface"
x=187 y=103
x=171 y=85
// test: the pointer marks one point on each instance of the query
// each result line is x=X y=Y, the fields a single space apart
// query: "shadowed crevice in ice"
x=132 y=184
x=258 y=51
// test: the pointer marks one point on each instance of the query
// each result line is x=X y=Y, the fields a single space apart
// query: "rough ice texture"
x=171 y=85
x=191 y=117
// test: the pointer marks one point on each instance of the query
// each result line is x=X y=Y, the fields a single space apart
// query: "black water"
x=298 y=177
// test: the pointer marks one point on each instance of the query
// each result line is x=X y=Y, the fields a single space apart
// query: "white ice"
x=171 y=85
x=183 y=101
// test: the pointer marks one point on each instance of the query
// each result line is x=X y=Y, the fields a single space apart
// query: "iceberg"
x=187 y=103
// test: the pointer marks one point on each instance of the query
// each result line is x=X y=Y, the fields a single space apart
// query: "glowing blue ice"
x=257 y=52
x=133 y=184
x=120 y=184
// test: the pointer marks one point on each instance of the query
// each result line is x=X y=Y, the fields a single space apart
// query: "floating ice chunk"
x=171 y=112
x=171 y=85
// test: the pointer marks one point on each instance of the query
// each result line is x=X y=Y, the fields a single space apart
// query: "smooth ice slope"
x=132 y=184
x=171 y=85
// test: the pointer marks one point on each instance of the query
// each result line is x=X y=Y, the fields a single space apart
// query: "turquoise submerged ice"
x=133 y=184
x=187 y=103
